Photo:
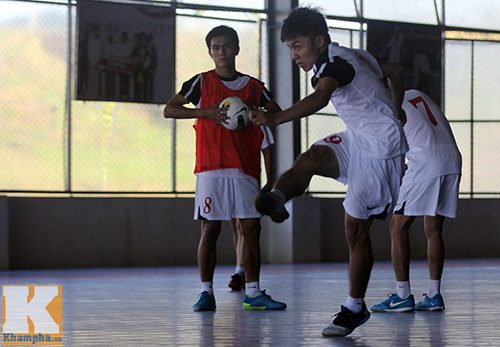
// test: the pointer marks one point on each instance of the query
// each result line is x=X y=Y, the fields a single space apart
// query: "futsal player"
x=429 y=189
x=373 y=164
x=227 y=164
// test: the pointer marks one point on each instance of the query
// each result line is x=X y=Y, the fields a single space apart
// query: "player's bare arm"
x=272 y=107
x=395 y=76
x=305 y=107
x=270 y=110
x=175 y=109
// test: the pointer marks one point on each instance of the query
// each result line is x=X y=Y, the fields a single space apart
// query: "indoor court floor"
x=153 y=307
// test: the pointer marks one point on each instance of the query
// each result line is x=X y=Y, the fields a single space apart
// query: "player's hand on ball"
x=217 y=114
x=262 y=118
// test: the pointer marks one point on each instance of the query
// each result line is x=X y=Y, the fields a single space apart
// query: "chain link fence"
x=99 y=147
x=51 y=143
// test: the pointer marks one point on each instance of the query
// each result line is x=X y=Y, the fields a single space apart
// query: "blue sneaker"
x=268 y=204
x=262 y=302
x=345 y=322
x=435 y=303
x=206 y=302
x=395 y=304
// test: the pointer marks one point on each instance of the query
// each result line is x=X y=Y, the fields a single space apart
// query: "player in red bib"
x=227 y=164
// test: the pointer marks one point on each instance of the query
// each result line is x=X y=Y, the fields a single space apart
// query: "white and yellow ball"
x=236 y=111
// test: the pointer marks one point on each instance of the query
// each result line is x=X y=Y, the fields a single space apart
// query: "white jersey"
x=433 y=150
x=363 y=101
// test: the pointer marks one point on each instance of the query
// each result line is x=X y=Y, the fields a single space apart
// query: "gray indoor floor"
x=152 y=307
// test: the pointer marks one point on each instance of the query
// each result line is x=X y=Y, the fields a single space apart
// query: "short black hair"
x=222 y=30
x=304 y=21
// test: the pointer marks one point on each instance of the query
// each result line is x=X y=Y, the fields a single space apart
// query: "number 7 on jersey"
x=419 y=99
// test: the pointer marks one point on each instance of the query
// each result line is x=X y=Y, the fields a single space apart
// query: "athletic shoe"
x=395 y=304
x=237 y=282
x=206 y=302
x=262 y=302
x=346 y=321
x=267 y=203
x=435 y=303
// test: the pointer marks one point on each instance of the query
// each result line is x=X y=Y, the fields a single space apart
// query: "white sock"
x=403 y=289
x=239 y=270
x=434 y=288
x=207 y=287
x=355 y=305
x=280 y=194
x=252 y=289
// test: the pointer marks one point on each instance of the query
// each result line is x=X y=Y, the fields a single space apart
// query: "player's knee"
x=251 y=228
x=356 y=234
x=394 y=226
x=432 y=233
x=399 y=223
x=320 y=153
x=313 y=159
x=433 y=225
x=393 y=231
x=252 y=238
x=398 y=234
x=210 y=231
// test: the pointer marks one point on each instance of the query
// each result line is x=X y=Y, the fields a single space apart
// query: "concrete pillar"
x=277 y=239
x=4 y=233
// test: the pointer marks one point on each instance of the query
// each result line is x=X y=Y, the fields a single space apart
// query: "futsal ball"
x=237 y=113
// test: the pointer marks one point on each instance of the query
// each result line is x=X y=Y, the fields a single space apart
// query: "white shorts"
x=339 y=142
x=432 y=197
x=225 y=198
x=373 y=185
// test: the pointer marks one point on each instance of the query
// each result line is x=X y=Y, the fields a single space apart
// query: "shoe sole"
x=394 y=310
x=430 y=309
x=276 y=216
x=248 y=307
x=347 y=333
x=339 y=334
